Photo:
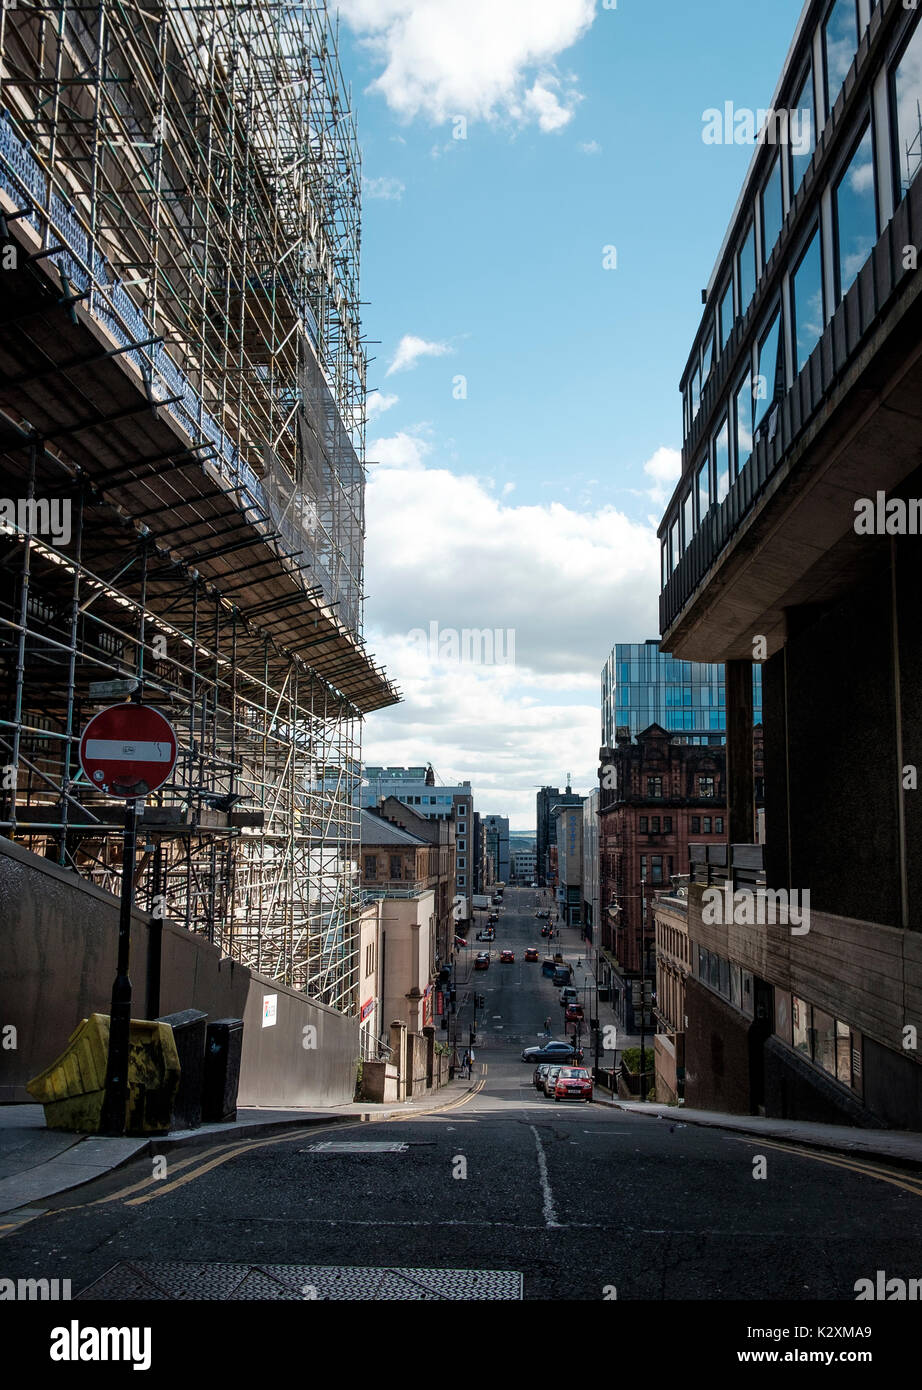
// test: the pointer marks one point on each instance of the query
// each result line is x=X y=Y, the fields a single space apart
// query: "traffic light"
x=481 y=1001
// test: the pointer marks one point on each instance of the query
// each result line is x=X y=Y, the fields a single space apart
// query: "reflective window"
x=824 y=1041
x=802 y=132
x=726 y=315
x=769 y=382
x=808 y=301
x=743 y=422
x=674 y=542
x=772 y=210
x=907 y=103
x=707 y=358
x=695 y=395
x=688 y=517
x=747 y=269
x=840 y=44
x=800 y=1018
x=856 y=214
x=704 y=490
x=722 y=460
x=843 y=1053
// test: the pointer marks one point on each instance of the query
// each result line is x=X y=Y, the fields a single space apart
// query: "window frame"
x=828 y=105
x=915 y=32
x=815 y=233
x=867 y=128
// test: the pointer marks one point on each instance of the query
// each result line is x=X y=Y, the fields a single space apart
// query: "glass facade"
x=642 y=686
x=856 y=214
x=907 y=103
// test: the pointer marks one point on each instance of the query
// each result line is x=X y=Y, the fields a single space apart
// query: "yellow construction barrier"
x=72 y=1089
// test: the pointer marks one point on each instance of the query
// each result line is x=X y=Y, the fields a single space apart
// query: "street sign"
x=128 y=750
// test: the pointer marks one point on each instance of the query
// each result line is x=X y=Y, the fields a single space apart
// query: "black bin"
x=189 y=1035
x=223 y=1050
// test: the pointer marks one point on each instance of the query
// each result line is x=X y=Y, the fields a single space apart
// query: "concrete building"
x=673 y=955
x=441 y=872
x=793 y=535
x=524 y=862
x=496 y=829
x=568 y=820
x=416 y=787
x=546 y=838
x=590 y=870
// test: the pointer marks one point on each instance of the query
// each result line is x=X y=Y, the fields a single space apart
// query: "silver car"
x=550 y=1079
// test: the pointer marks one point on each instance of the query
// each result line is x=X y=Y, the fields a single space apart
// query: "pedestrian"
x=547 y=1026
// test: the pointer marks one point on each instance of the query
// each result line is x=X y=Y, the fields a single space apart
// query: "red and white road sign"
x=128 y=750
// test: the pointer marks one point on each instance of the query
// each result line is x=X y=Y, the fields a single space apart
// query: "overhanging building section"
x=182 y=389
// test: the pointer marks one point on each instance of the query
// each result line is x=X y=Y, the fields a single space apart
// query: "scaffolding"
x=182 y=370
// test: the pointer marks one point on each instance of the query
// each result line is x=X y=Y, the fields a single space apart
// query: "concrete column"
x=399 y=1057
x=740 y=779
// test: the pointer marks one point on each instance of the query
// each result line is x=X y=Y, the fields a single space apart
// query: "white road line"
x=550 y=1211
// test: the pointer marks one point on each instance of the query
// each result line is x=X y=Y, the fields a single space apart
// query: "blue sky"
x=530 y=503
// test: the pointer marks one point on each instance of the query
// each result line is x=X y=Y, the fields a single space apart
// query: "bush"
x=630 y=1060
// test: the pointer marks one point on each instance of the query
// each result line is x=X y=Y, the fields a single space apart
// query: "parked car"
x=562 y=975
x=548 y=967
x=483 y=960
x=539 y=1075
x=548 y=1052
x=506 y=957
x=531 y=953
x=568 y=994
x=573 y=1083
x=550 y=1078
x=460 y=940
x=574 y=1013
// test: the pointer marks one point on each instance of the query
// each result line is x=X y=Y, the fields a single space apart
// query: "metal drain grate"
x=360 y=1146
x=294 y=1283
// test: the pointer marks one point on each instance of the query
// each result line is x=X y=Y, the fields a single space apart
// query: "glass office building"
x=642 y=686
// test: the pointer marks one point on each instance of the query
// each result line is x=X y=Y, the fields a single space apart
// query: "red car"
x=573 y=1083
x=531 y=953
x=506 y=957
x=574 y=1013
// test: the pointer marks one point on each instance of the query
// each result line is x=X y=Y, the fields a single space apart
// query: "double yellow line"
x=864 y=1167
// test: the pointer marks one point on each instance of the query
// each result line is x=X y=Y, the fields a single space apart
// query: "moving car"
x=507 y=957
x=460 y=940
x=545 y=931
x=487 y=934
x=483 y=960
x=573 y=1083
x=562 y=975
x=568 y=995
x=548 y=1052
x=574 y=1013
x=531 y=953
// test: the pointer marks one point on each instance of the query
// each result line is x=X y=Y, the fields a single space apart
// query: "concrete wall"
x=716 y=1053
x=407 y=949
x=58 y=944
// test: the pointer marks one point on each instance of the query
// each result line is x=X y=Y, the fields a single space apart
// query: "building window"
x=656 y=868
x=674 y=542
x=705 y=786
x=743 y=422
x=462 y=844
x=696 y=825
x=803 y=145
x=769 y=382
x=704 y=491
x=462 y=862
x=855 y=202
x=824 y=1041
x=906 y=102
x=371 y=866
x=726 y=314
x=718 y=825
x=643 y=868
x=840 y=44
x=800 y=1017
x=654 y=825
x=772 y=210
x=695 y=394
x=643 y=825
x=707 y=358
x=667 y=824
x=461 y=880
x=808 y=301
x=654 y=786
x=370 y=958
x=396 y=866
x=722 y=459
x=706 y=825
x=688 y=518
x=747 y=269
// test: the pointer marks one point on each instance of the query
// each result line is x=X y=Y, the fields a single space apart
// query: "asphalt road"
x=576 y=1199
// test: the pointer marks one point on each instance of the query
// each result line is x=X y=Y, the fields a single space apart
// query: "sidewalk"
x=894 y=1145
x=37 y=1163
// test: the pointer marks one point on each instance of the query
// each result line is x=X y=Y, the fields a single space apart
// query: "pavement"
x=37 y=1163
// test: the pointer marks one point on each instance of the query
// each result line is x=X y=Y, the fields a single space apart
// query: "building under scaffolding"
x=181 y=445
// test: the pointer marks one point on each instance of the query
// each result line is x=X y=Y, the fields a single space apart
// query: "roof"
x=376 y=831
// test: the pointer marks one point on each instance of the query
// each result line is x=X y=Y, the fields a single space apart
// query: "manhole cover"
x=271 y=1282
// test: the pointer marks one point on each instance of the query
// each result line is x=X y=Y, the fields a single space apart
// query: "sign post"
x=127 y=751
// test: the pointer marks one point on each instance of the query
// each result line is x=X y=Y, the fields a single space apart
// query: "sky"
x=540 y=215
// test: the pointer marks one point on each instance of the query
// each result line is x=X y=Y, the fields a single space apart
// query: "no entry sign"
x=128 y=750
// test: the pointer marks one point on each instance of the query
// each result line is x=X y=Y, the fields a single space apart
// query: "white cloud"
x=445 y=549
x=507 y=488
x=410 y=349
x=590 y=147
x=664 y=468
x=390 y=189
x=475 y=58
x=377 y=402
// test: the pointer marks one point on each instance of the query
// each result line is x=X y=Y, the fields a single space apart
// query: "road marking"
x=867 y=1170
x=550 y=1212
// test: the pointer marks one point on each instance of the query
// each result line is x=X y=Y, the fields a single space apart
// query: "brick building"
x=657 y=796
